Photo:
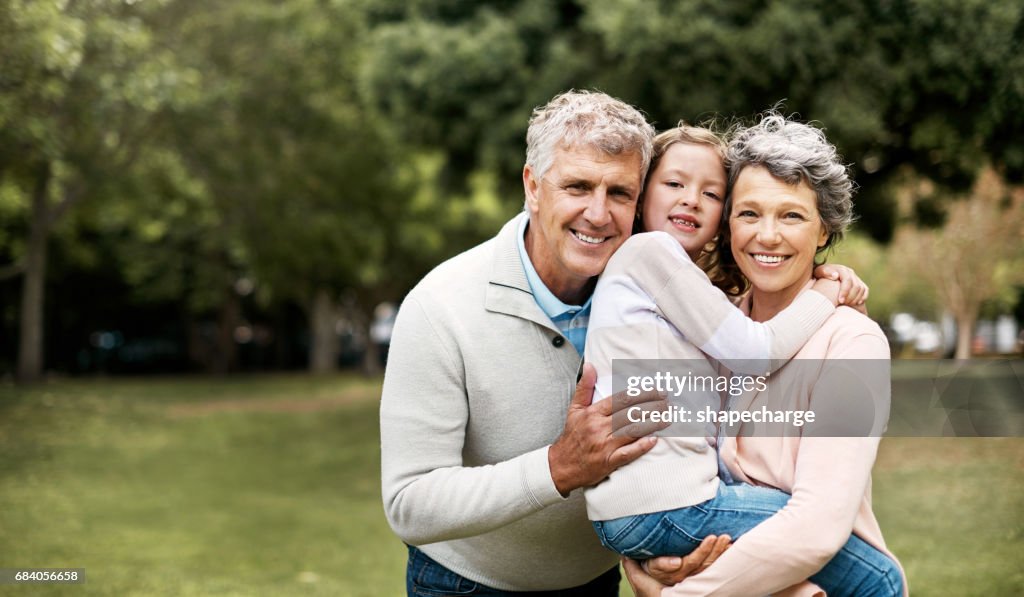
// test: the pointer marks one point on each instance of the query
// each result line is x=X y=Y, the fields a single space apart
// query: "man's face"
x=580 y=212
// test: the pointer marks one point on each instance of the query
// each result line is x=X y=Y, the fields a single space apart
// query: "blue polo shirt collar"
x=552 y=306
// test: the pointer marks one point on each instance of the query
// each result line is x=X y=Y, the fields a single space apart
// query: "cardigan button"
x=558 y=341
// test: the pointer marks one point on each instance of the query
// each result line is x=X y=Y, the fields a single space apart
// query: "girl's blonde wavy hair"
x=730 y=282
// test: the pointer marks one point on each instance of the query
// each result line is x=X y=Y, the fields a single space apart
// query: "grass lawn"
x=150 y=497
x=269 y=485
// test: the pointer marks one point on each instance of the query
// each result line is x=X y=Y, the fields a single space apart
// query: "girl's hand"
x=852 y=290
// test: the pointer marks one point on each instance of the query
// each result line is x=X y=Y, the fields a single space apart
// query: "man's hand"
x=852 y=290
x=599 y=438
x=671 y=570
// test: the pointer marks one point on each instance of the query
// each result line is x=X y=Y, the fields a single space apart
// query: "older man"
x=482 y=437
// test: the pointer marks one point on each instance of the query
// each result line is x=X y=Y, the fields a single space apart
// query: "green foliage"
x=935 y=84
x=13 y=207
x=894 y=287
x=464 y=77
x=976 y=257
x=165 y=233
x=469 y=73
x=352 y=144
x=437 y=223
x=82 y=83
x=301 y=175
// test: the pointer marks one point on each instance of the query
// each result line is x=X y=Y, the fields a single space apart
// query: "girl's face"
x=684 y=195
x=775 y=231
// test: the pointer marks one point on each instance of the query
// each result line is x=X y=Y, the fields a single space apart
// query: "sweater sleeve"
x=428 y=494
x=832 y=476
x=708 y=319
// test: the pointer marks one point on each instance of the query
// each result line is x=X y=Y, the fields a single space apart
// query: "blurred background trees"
x=219 y=185
x=975 y=256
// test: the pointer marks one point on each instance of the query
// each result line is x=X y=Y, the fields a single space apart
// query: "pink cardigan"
x=828 y=477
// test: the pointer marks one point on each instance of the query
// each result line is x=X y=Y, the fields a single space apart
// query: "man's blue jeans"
x=424 y=577
x=858 y=569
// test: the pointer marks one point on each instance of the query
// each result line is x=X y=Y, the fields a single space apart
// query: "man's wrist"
x=560 y=476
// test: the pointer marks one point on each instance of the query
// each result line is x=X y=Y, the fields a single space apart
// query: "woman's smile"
x=775 y=232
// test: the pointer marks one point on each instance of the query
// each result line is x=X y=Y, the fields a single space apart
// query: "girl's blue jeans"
x=857 y=569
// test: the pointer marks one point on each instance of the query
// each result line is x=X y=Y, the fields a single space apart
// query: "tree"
x=975 y=256
x=463 y=77
x=302 y=175
x=161 y=229
x=80 y=93
x=938 y=85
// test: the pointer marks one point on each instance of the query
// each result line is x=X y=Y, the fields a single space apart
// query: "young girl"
x=654 y=302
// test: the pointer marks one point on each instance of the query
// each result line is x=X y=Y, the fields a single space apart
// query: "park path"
x=200 y=409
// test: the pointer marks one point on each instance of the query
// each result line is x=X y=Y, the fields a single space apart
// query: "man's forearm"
x=429 y=495
x=455 y=502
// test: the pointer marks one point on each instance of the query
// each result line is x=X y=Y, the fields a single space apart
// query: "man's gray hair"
x=588 y=119
x=794 y=152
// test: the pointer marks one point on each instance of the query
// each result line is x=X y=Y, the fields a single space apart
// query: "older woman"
x=790 y=200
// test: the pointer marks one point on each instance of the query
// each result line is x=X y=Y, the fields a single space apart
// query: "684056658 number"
x=41 y=576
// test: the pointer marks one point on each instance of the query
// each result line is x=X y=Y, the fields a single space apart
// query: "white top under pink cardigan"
x=828 y=477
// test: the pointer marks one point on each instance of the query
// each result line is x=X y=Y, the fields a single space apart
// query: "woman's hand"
x=852 y=290
x=657 y=573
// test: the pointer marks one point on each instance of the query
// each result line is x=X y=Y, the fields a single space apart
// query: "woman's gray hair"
x=589 y=119
x=794 y=152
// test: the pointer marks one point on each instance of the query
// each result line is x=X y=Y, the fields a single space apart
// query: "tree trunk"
x=964 y=335
x=323 y=347
x=226 y=356
x=196 y=347
x=372 y=356
x=282 y=335
x=30 y=341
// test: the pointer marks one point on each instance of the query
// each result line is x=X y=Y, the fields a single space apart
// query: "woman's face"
x=684 y=195
x=775 y=231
